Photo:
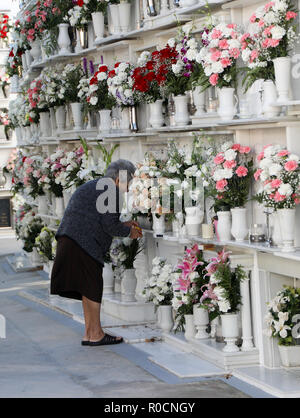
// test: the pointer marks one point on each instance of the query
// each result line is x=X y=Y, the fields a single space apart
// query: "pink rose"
x=229 y=164
x=213 y=79
x=291 y=165
x=221 y=184
x=236 y=147
x=219 y=158
x=241 y=171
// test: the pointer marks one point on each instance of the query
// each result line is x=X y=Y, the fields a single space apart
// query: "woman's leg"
x=93 y=329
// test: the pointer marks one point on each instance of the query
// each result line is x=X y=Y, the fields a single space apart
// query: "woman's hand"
x=131 y=223
x=136 y=232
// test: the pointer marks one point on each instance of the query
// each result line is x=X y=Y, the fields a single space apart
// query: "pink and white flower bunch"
x=278 y=174
x=222 y=48
x=120 y=83
x=231 y=173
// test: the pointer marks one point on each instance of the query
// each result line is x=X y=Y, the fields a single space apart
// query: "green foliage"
x=107 y=155
x=264 y=73
x=71 y=84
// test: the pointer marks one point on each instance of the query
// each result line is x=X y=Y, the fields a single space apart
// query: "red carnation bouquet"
x=4 y=26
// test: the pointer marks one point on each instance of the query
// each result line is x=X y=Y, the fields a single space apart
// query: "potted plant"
x=123 y=253
x=281 y=320
x=224 y=286
x=28 y=229
x=45 y=246
x=71 y=76
x=158 y=290
x=278 y=175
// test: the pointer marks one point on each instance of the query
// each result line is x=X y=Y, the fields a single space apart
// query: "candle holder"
x=268 y=212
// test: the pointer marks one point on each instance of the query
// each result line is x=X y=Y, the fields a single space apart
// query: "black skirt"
x=75 y=273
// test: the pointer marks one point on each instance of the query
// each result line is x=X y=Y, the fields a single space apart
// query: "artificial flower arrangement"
x=188 y=279
x=82 y=11
x=14 y=61
x=70 y=79
x=98 y=95
x=28 y=229
x=53 y=90
x=123 y=252
x=231 y=173
x=223 y=293
x=11 y=162
x=17 y=172
x=158 y=287
x=281 y=310
x=5 y=26
x=219 y=54
x=278 y=174
x=120 y=82
x=6 y=122
x=53 y=169
x=33 y=172
x=45 y=243
x=271 y=34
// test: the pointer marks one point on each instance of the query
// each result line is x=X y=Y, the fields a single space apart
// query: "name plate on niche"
x=5 y=213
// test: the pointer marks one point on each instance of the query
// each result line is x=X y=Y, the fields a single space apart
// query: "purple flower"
x=85 y=66
x=185 y=60
x=186 y=74
x=189 y=67
x=183 y=51
x=92 y=68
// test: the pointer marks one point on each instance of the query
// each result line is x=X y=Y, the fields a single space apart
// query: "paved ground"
x=42 y=355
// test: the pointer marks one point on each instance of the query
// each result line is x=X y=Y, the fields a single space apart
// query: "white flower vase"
x=276 y=231
x=19 y=138
x=213 y=327
x=45 y=124
x=98 y=23
x=224 y=226
x=199 y=101
x=187 y=3
x=128 y=285
x=282 y=68
x=43 y=205
x=53 y=121
x=227 y=108
x=66 y=196
x=77 y=116
x=78 y=47
x=115 y=18
x=189 y=327
x=287 y=219
x=182 y=116
x=60 y=115
x=59 y=207
x=27 y=130
x=50 y=268
x=230 y=332
x=239 y=228
x=35 y=258
x=105 y=121
x=63 y=40
x=165 y=317
x=36 y=51
x=14 y=84
x=124 y=16
x=269 y=98
x=29 y=58
x=125 y=120
x=177 y=224
x=156 y=119
x=108 y=279
x=290 y=355
x=24 y=63
x=193 y=220
x=159 y=224
x=201 y=321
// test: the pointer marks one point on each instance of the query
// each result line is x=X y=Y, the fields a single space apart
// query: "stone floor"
x=42 y=356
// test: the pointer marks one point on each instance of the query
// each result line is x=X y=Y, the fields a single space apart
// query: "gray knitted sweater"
x=91 y=230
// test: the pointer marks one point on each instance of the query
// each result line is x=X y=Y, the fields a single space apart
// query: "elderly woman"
x=84 y=236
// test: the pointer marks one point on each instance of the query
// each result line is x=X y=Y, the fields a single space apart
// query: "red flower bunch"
x=4 y=26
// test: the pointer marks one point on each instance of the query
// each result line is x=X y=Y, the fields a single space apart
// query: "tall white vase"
x=45 y=125
x=287 y=219
x=224 y=226
x=24 y=63
x=64 y=41
x=125 y=120
x=29 y=58
x=53 y=121
x=199 y=101
x=108 y=279
x=105 y=121
x=276 y=230
x=59 y=207
x=227 y=108
x=77 y=115
x=193 y=220
x=201 y=321
x=124 y=16
x=159 y=224
x=66 y=196
x=60 y=115
x=115 y=18
x=182 y=116
x=98 y=23
x=269 y=98
x=189 y=327
x=43 y=205
x=239 y=228
x=282 y=68
x=36 y=51
x=128 y=285
x=165 y=317
x=156 y=119
x=230 y=332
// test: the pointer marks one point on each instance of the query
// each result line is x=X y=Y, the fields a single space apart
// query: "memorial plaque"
x=5 y=213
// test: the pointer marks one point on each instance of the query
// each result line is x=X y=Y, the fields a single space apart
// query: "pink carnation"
x=221 y=184
x=257 y=174
x=219 y=158
x=213 y=79
x=241 y=171
x=291 y=165
x=229 y=164
x=279 y=197
x=283 y=153
x=290 y=15
x=223 y=44
x=276 y=183
x=260 y=156
x=245 y=150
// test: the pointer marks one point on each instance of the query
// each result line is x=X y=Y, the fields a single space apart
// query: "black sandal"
x=107 y=340
x=85 y=342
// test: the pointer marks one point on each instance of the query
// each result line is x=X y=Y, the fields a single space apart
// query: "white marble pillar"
x=246 y=316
